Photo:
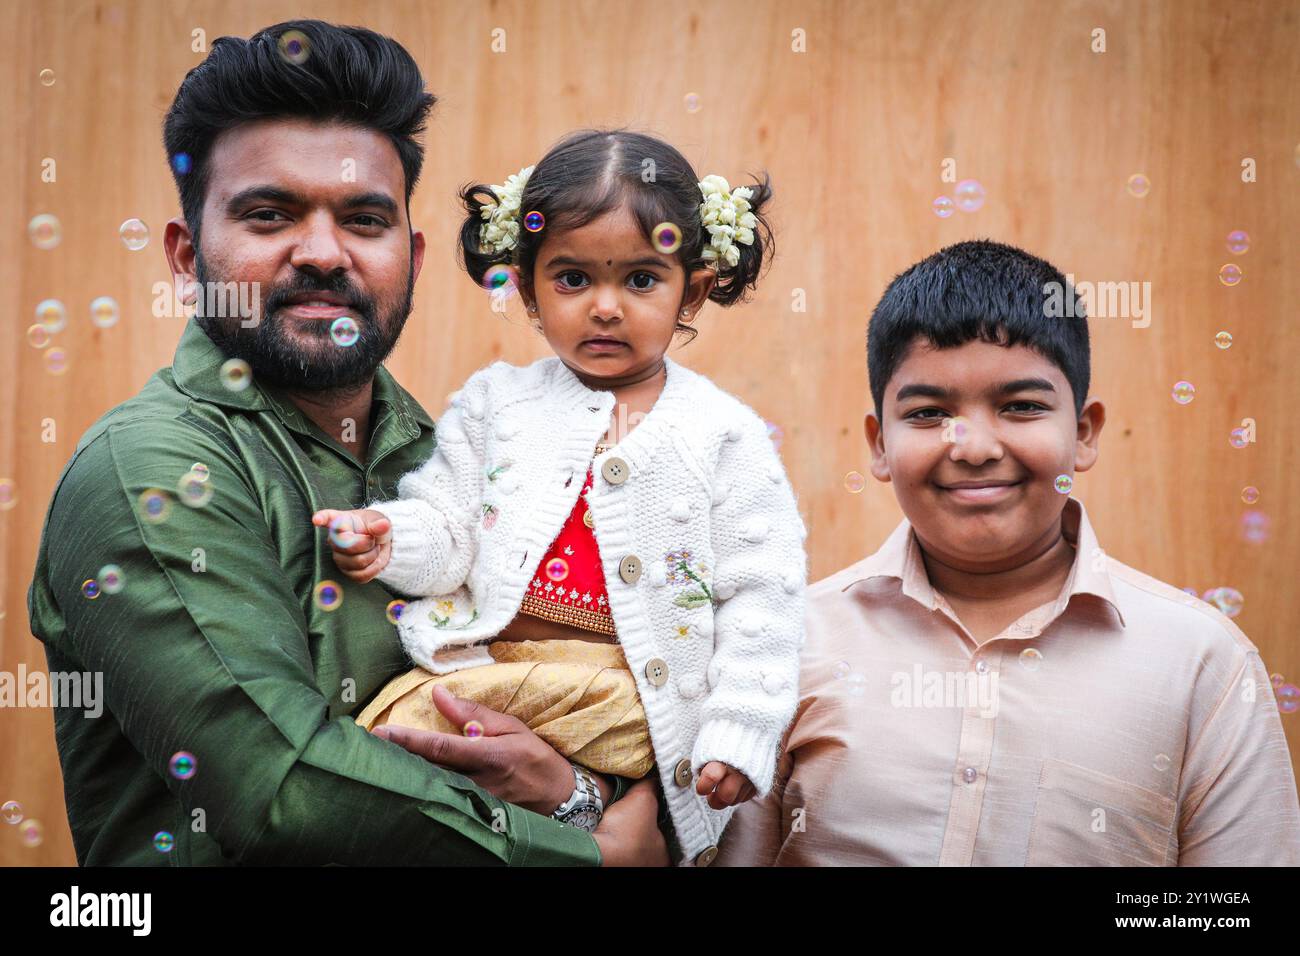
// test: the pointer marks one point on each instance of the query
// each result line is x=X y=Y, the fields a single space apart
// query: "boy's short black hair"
x=977 y=290
x=299 y=69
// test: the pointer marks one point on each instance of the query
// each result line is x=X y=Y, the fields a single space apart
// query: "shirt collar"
x=900 y=557
x=196 y=370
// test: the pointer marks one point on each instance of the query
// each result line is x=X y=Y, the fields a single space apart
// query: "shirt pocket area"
x=1086 y=818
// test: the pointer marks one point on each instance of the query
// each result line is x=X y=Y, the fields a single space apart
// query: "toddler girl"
x=603 y=543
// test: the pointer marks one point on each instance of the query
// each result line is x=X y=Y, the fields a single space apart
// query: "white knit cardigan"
x=700 y=482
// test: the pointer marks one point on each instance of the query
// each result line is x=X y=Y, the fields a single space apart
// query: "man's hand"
x=628 y=834
x=362 y=541
x=508 y=759
x=724 y=785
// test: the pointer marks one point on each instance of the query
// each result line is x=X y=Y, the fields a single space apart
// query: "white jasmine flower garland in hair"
x=725 y=214
x=501 y=231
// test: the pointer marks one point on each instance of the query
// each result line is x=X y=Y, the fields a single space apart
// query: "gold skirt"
x=578 y=696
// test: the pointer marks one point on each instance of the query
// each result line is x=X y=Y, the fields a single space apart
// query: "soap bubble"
x=1064 y=483
x=1184 y=392
x=11 y=812
x=47 y=77
x=236 y=374
x=394 y=611
x=154 y=505
x=969 y=195
x=1138 y=185
x=854 y=482
x=1223 y=340
x=1238 y=242
x=692 y=102
x=1227 y=600
x=163 y=841
x=294 y=47
x=667 y=237
x=182 y=765
x=110 y=579
x=44 y=231
x=1031 y=658
x=134 y=233
x=472 y=728
x=31 y=833
x=1230 y=274
x=344 y=331
x=328 y=596
x=534 y=221
x=943 y=207
x=52 y=315
x=56 y=360
x=1237 y=438
x=104 y=312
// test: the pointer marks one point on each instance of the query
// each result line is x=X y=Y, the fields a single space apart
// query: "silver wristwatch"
x=584 y=808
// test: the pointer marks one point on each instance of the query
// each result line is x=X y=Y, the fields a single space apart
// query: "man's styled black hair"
x=977 y=290
x=341 y=74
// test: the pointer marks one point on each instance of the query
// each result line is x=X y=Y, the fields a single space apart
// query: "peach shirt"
x=1126 y=723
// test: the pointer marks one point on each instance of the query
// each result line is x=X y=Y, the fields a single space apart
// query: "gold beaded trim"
x=563 y=614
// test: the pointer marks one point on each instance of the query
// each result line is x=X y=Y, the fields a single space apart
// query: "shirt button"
x=589 y=519
x=682 y=772
x=970 y=774
x=706 y=857
x=629 y=569
x=982 y=666
x=615 y=470
x=656 y=671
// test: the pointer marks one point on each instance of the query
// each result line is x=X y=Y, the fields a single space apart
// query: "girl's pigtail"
x=735 y=282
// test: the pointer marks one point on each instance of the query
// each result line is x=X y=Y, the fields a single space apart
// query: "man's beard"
x=278 y=359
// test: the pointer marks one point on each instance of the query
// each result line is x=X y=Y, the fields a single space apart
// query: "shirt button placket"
x=971 y=763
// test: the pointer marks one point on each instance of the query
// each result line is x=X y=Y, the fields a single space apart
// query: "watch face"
x=585 y=817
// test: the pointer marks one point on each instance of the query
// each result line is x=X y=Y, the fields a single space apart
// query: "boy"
x=990 y=687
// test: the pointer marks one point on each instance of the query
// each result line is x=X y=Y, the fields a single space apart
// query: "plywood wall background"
x=853 y=130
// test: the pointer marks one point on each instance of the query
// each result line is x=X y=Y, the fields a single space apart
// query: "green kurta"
x=215 y=644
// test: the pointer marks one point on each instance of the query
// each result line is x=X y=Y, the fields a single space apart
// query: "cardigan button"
x=629 y=569
x=615 y=470
x=707 y=857
x=656 y=671
x=682 y=772
x=589 y=519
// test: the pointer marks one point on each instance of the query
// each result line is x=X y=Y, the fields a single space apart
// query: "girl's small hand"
x=362 y=541
x=725 y=786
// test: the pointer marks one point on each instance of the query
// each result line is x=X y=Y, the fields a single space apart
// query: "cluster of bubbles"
x=109 y=581
x=1230 y=273
x=193 y=489
x=968 y=196
x=855 y=682
x=46 y=232
x=1288 y=695
x=30 y=832
x=1227 y=600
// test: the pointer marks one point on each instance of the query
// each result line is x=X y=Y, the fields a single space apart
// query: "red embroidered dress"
x=568 y=585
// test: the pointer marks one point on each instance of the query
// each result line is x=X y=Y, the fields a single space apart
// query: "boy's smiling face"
x=980 y=492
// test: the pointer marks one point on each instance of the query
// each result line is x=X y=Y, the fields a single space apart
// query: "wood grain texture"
x=853 y=131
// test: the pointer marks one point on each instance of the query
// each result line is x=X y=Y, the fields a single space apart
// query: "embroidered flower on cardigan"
x=494 y=473
x=445 y=622
x=680 y=572
x=489 y=516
